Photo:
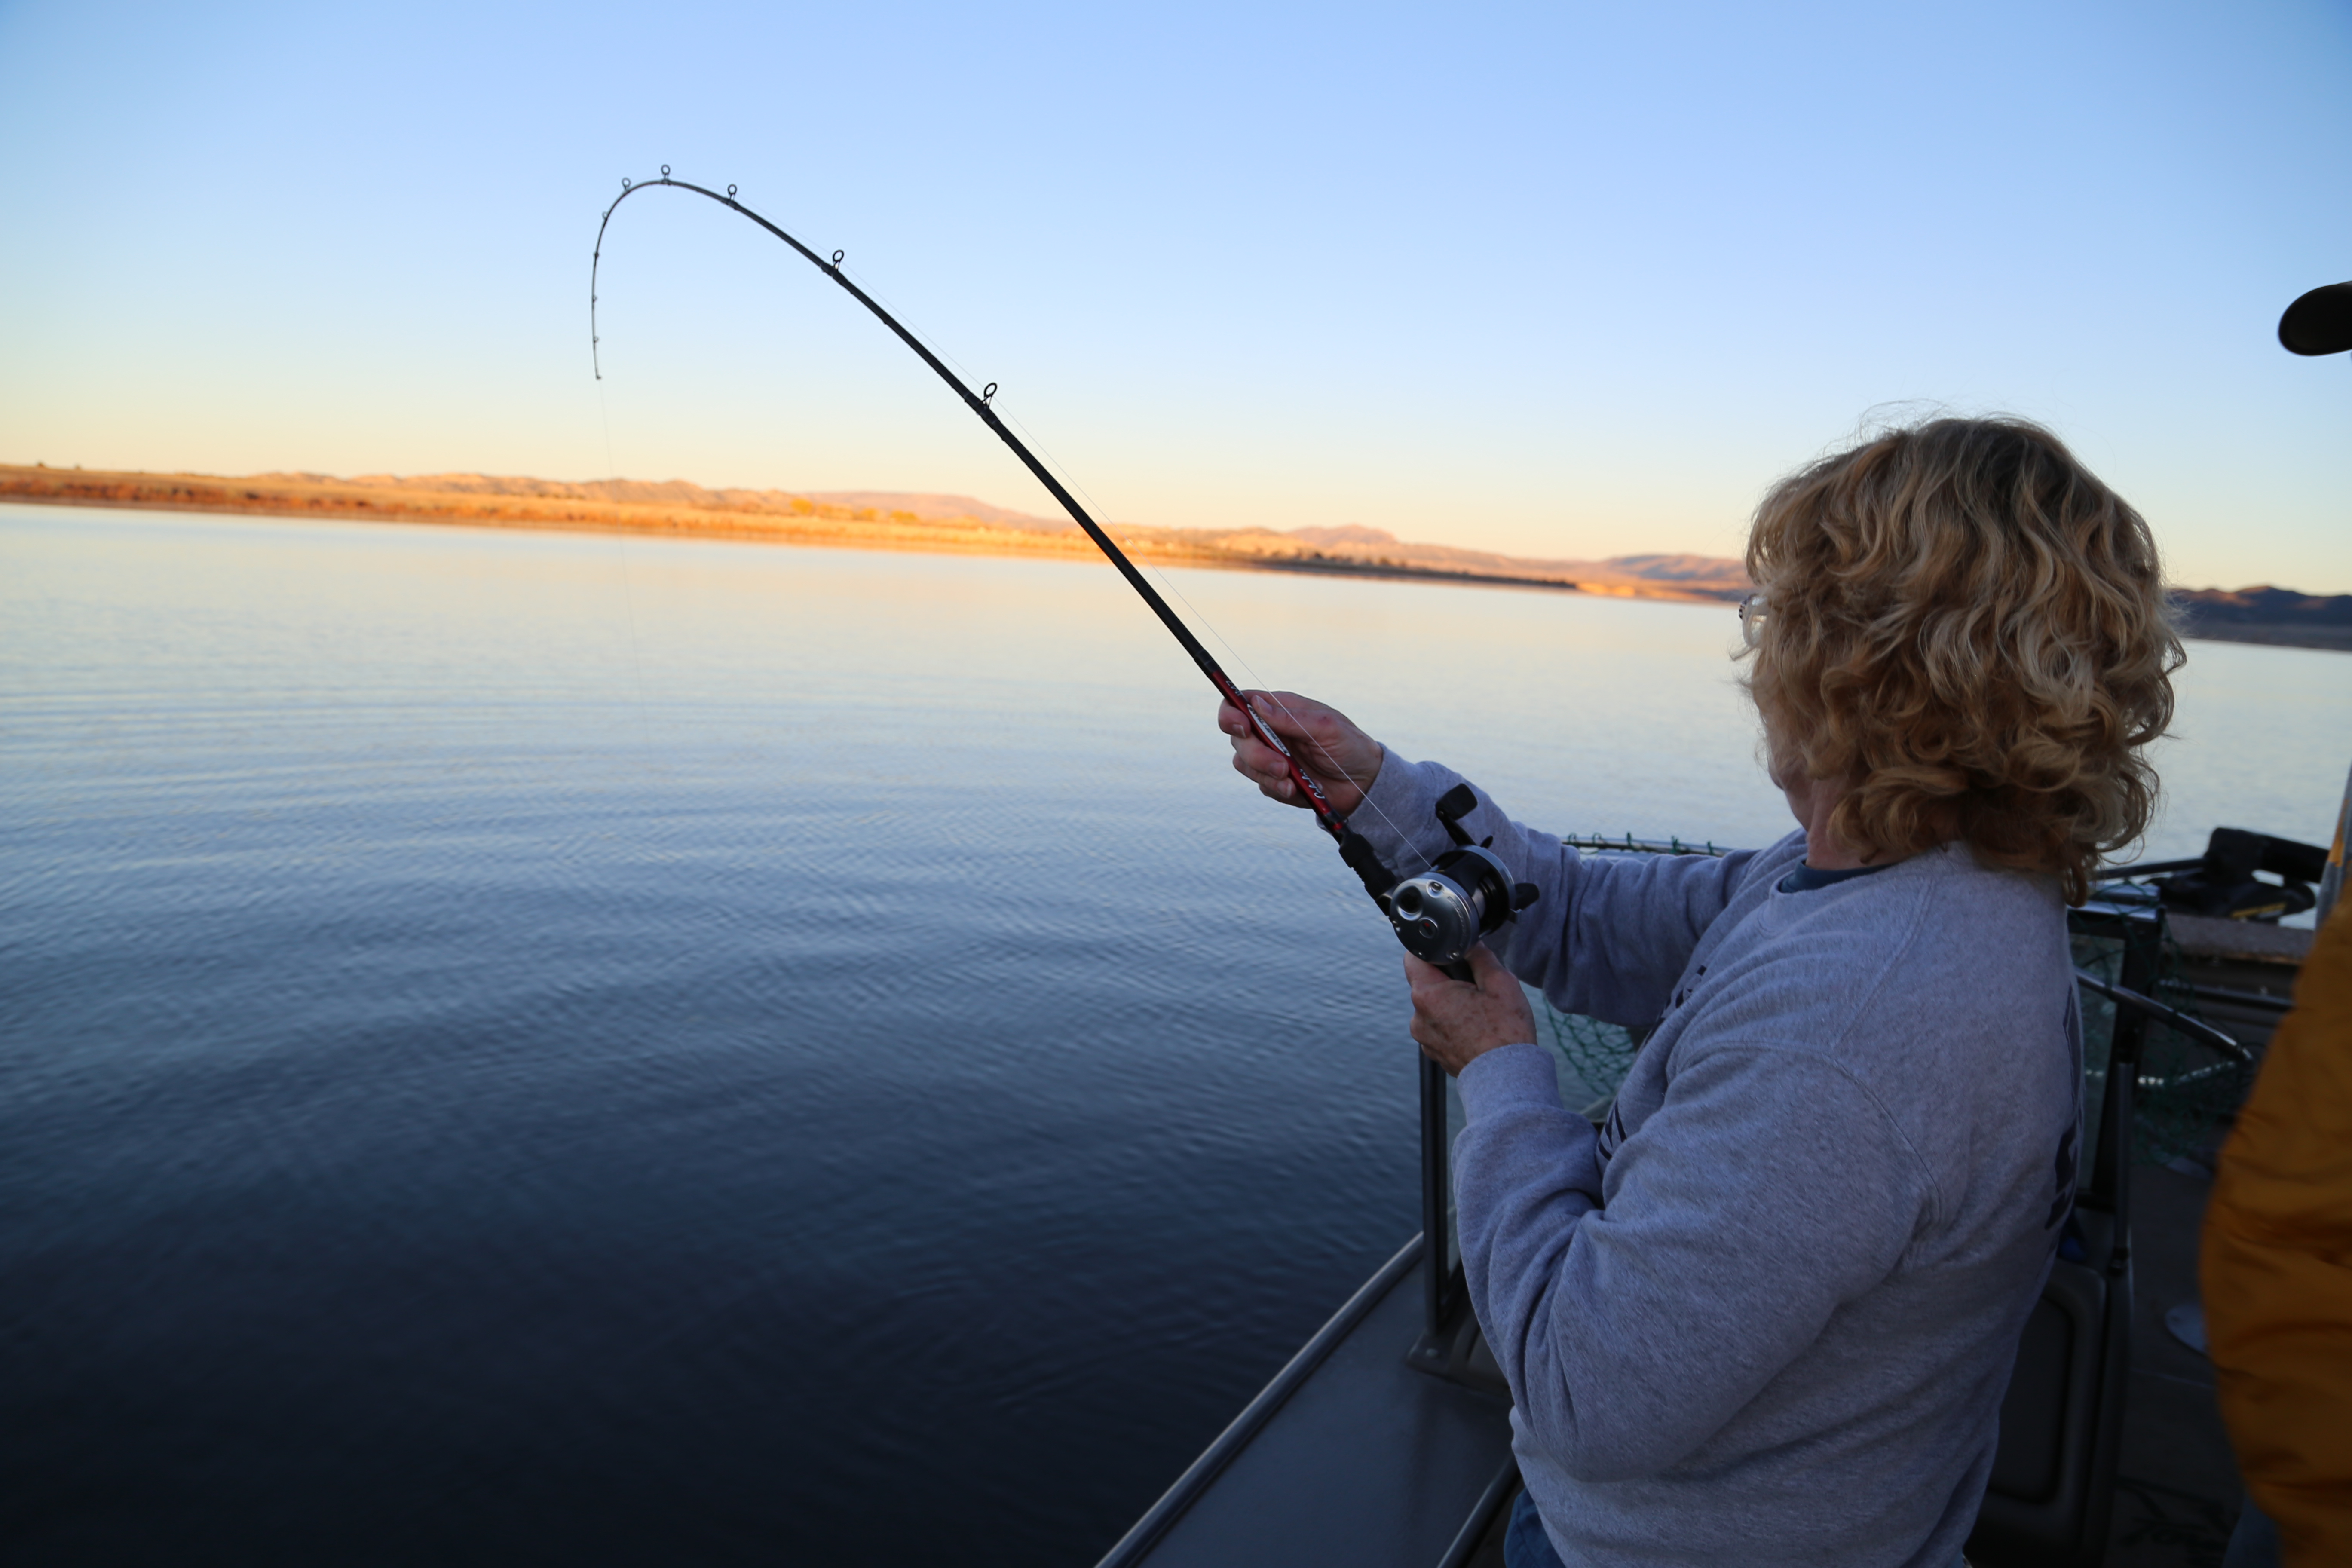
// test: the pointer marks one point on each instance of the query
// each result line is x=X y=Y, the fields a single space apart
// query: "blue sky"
x=1565 y=280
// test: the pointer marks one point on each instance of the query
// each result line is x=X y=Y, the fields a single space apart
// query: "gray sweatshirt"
x=1766 y=1315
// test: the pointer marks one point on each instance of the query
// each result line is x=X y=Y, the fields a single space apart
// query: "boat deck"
x=1293 y=1480
x=2177 y=1488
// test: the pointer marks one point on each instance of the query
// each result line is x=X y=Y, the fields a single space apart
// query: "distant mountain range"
x=897 y=519
x=2269 y=615
x=873 y=520
x=680 y=493
x=1352 y=547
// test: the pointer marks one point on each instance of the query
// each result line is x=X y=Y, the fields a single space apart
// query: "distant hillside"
x=904 y=520
x=2267 y=614
x=874 y=520
x=677 y=493
x=1377 y=550
x=929 y=507
x=673 y=492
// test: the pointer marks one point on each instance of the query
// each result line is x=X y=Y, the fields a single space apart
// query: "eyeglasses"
x=1752 y=611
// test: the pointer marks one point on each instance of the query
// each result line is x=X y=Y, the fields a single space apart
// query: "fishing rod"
x=1440 y=914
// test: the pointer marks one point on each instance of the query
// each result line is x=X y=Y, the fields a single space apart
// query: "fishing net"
x=1590 y=1056
x=1593 y=1058
x=2188 y=1092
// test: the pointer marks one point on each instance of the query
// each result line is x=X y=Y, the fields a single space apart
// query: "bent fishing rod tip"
x=1353 y=848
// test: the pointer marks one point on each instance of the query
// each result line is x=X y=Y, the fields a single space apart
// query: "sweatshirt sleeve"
x=1768 y=1188
x=1608 y=935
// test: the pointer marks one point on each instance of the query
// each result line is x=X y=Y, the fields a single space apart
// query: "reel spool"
x=1444 y=913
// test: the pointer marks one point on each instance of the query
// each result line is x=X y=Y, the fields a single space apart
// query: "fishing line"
x=1053 y=461
x=1239 y=657
x=1466 y=892
x=1160 y=573
x=883 y=299
x=628 y=594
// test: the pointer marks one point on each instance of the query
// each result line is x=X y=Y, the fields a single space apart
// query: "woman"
x=1766 y=1314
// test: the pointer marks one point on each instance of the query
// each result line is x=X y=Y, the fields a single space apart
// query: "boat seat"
x=2048 y=1502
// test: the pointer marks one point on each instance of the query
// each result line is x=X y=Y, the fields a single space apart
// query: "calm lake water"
x=523 y=1048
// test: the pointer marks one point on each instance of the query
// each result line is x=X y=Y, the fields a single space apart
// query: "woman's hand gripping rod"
x=1440 y=914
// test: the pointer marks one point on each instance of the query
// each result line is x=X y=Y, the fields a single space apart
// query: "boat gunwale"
x=1146 y=1531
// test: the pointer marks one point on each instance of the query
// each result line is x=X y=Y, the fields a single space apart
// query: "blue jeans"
x=1524 y=1544
x=2253 y=1544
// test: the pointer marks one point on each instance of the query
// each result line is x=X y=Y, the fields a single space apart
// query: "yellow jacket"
x=2277 y=1266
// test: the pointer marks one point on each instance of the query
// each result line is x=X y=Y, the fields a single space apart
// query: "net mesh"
x=2187 y=1092
x=1597 y=1055
x=1593 y=1056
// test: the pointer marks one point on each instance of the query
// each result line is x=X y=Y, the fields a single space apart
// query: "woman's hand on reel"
x=1455 y=1022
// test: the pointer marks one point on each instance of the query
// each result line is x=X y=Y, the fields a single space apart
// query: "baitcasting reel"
x=1441 y=914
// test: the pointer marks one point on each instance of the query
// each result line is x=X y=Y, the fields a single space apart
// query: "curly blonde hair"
x=1974 y=632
